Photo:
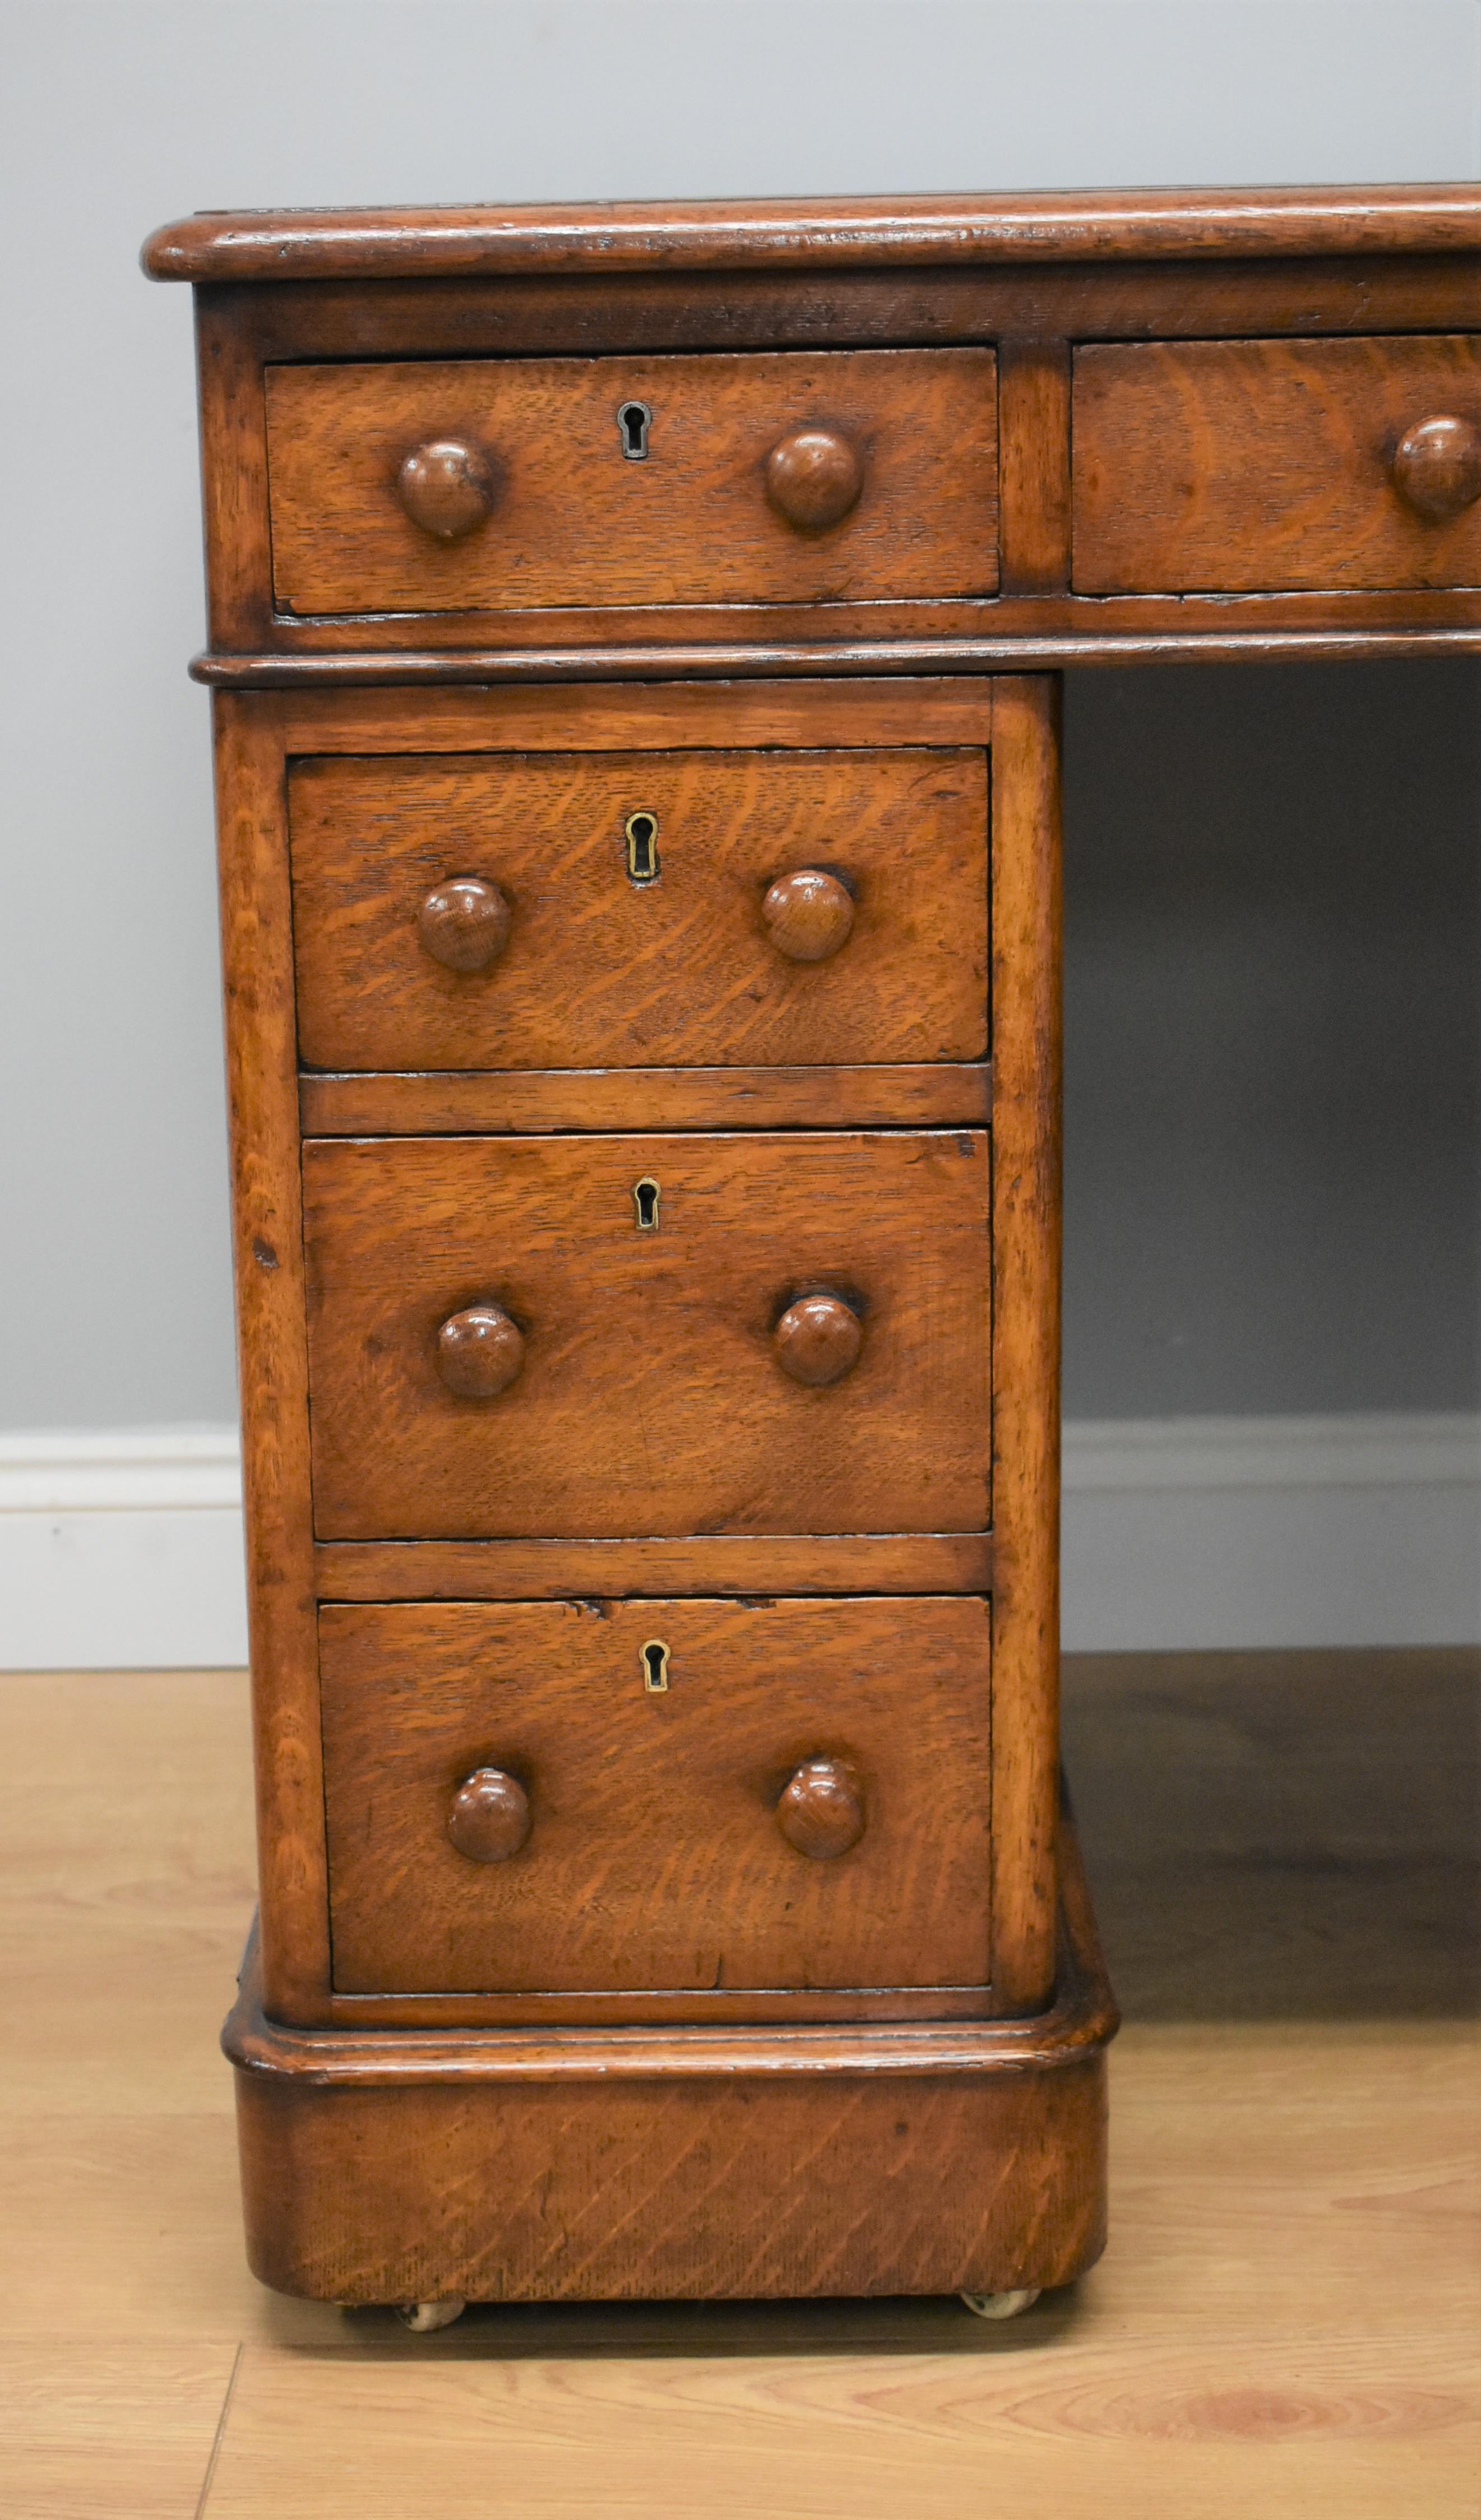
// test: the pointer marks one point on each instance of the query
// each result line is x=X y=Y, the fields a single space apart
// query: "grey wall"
x=1267 y=1031
x=1273 y=1040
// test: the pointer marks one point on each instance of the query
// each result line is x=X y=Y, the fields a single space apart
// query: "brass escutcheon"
x=642 y=849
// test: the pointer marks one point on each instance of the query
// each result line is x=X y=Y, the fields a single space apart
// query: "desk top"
x=466 y=241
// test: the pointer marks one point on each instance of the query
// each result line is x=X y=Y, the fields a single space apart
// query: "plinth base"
x=700 y=2164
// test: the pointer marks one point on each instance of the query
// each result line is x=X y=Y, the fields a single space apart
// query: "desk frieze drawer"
x=659 y=1796
x=478 y=486
x=664 y=909
x=1270 y=467
x=629 y=1336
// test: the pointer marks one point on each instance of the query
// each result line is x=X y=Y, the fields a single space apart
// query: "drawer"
x=490 y=484
x=513 y=1809
x=1241 y=467
x=602 y=1338
x=661 y=909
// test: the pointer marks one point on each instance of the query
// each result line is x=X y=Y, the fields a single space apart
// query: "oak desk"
x=634 y=636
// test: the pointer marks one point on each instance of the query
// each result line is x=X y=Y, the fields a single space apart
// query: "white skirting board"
x=1190 y=1533
x=124 y=1550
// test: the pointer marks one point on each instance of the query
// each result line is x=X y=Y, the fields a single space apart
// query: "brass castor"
x=422 y=2317
x=999 y=2305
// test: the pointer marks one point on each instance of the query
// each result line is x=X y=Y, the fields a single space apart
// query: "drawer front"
x=769 y=908
x=650 y=1335
x=491 y=484
x=513 y=1809
x=1243 y=467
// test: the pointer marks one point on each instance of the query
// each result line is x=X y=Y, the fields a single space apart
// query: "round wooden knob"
x=464 y=924
x=818 y=1339
x=813 y=478
x=490 y=1818
x=1437 y=467
x=808 y=915
x=820 y=1812
x=479 y=1352
x=446 y=487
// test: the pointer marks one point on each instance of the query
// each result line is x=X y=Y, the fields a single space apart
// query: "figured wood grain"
x=650 y=1401
x=617 y=313
x=740 y=2150
x=1033 y=425
x=1028 y=634
x=599 y=716
x=602 y=973
x=820 y=712
x=821 y=1810
x=656 y=1098
x=924 y=306
x=653 y=1857
x=1242 y=465
x=574 y=522
x=945 y=228
x=232 y=475
x=689 y=2174
x=261 y=1064
x=1027 y=927
x=516 y=1570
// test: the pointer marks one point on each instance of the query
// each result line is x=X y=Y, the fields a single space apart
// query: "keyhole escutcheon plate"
x=645 y=1197
x=642 y=832
x=653 y=1659
x=634 y=421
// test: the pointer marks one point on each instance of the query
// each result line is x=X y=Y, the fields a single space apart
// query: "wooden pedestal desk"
x=633 y=638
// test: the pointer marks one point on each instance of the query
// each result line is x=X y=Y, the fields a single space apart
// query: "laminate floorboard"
x=1288 y=2320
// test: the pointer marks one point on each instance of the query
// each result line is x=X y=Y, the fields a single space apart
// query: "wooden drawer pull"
x=817 y=1341
x=446 y=487
x=808 y=915
x=464 y=924
x=821 y=1810
x=490 y=1817
x=813 y=478
x=479 y=1352
x=1437 y=467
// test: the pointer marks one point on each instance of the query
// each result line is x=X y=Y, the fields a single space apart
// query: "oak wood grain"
x=233 y=475
x=724 y=1562
x=615 y=313
x=949 y=228
x=1034 y=432
x=1237 y=464
x=656 y=1098
x=650 y=1401
x=922 y=306
x=1027 y=926
x=653 y=1859
x=1027 y=635
x=602 y=973
x=730 y=2124
x=573 y=520
x=821 y=711
x=262 y=1063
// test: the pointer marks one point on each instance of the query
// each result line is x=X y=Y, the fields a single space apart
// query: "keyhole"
x=646 y=1195
x=654 y=1661
x=633 y=419
x=642 y=847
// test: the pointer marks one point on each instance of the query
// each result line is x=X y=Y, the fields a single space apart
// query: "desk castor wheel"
x=422 y=2317
x=999 y=2305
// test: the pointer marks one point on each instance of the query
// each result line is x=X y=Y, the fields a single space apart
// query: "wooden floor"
x=1288 y=2320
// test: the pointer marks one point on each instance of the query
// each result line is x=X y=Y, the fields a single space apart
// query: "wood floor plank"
x=1085 y=2431
x=108 y=2432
